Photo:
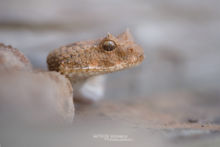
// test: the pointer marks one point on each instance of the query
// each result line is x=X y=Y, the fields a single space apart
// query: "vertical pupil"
x=109 y=45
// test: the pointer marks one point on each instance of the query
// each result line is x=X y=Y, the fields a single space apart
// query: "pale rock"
x=35 y=98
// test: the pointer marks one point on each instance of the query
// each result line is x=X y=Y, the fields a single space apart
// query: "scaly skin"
x=82 y=60
x=12 y=59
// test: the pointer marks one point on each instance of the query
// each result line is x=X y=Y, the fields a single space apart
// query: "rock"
x=35 y=98
x=27 y=96
x=13 y=59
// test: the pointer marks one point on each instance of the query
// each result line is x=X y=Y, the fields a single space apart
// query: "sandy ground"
x=138 y=122
x=160 y=121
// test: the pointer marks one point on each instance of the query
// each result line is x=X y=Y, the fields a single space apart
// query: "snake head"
x=95 y=57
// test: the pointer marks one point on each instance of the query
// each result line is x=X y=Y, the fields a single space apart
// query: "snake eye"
x=108 y=45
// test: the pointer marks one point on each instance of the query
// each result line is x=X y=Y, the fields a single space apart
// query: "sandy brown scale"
x=81 y=60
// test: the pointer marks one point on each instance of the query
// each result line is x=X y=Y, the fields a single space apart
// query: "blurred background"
x=180 y=39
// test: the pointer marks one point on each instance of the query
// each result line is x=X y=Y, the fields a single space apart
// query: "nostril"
x=141 y=56
x=131 y=50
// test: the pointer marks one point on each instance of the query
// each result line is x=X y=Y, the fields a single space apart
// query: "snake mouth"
x=105 y=69
x=91 y=70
